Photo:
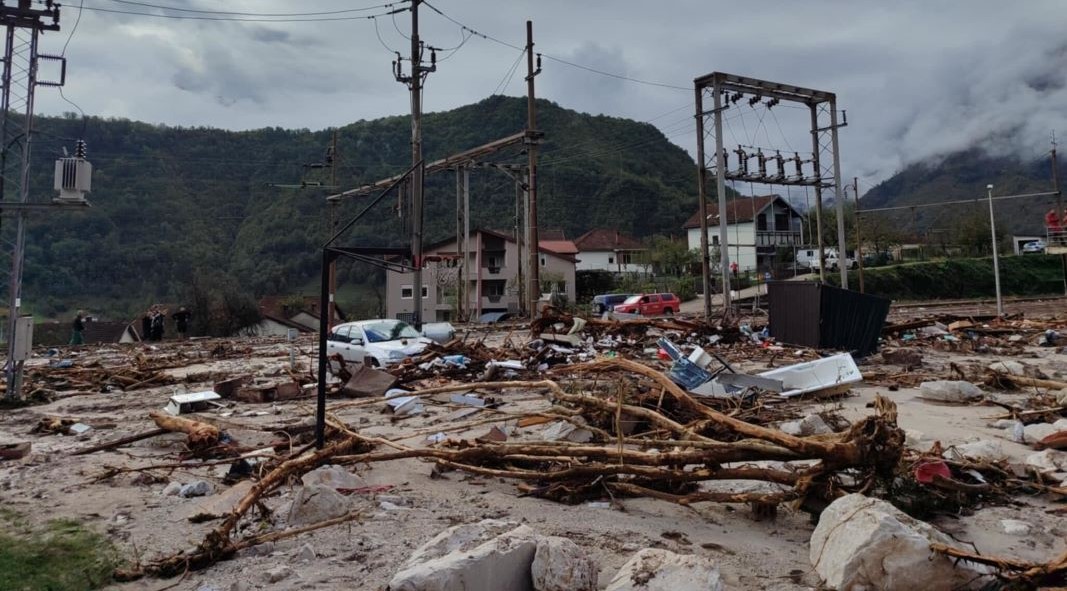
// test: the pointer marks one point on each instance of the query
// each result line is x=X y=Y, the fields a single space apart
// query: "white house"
x=755 y=228
x=602 y=249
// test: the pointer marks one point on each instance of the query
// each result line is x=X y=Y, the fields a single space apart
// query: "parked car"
x=650 y=304
x=383 y=341
x=1035 y=247
x=605 y=302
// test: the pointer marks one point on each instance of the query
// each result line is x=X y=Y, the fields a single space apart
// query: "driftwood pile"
x=677 y=443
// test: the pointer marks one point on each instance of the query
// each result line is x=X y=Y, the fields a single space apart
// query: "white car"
x=384 y=342
x=1035 y=247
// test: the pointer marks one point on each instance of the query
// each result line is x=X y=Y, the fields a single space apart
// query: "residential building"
x=755 y=228
x=493 y=269
x=602 y=249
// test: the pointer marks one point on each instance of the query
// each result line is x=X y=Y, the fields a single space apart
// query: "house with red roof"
x=756 y=227
x=603 y=249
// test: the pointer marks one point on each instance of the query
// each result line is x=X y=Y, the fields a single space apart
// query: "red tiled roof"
x=739 y=210
x=550 y=234
x=558 y=246
x=605 y=239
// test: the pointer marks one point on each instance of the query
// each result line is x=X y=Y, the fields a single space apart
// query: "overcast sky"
x=917 y=78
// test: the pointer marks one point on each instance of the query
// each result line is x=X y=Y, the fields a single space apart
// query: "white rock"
x=865 y=543
x=560 y=565
x=983 y=450
x=196 y=489
x=313 y=504
x=1061 y=397
x=279 y=573
x=949 y=391
x=1013 y=368
x=1003 y=424
x=660 y=570
x=1060 y=425
x=1018 y=432
x=1038 y=431
x=172 y=489
x=305 y=554
x=469 y=558
x=913 y=438
x=809 y=425
x=332 y=476
x=1048 y=461
x=1014 y=527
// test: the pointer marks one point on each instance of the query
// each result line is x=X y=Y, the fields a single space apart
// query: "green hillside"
x=178 y=207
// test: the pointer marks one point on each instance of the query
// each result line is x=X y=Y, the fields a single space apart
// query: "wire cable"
x=378 y=34
x=259 y=14
x=556 y=59
x=508 y=74
x=73 y=29
x=240 y=20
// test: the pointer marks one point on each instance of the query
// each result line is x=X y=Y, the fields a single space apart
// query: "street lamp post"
x=996 y=259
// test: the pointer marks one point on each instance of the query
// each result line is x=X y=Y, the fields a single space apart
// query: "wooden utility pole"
x=533 y=292
x=520 y=242
x=859 y=235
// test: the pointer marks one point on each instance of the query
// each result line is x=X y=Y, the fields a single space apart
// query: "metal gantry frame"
x=724 y=90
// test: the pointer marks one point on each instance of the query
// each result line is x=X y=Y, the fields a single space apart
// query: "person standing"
x=146 y=326
x=76 y=338
x=157 y=325
x=181 y=321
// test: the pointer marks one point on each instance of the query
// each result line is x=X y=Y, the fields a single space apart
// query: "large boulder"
x=486 y=556
x=332 y=476
x=949 y=391
x=867 y=544
x=560 y=565
x=810 y=425
x=313 y=504
x=660 y=570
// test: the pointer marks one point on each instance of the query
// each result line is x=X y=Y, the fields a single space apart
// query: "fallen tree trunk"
x=201 y=435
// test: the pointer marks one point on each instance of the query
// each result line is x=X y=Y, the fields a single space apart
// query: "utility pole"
x=818 y=193
x=414 y=83
x=996 y=258
x=1059 y=208
x=702 y=196
x=520 y=242
x=460 y=286
x=839 y=198
x=859 y=235
x=331 y=161
x=533 y=271
x=20 y=81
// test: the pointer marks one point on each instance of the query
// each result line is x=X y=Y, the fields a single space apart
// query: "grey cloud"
x=917 y=79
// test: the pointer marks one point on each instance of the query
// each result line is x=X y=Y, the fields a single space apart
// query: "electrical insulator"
x=79 y=149
x=762 y=163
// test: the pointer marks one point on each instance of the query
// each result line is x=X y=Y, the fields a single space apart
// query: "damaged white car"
x=384 y=342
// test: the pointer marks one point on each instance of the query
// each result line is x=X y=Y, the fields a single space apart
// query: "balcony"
x=775 y=239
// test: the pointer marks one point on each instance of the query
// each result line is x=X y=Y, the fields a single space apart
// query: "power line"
x=241 y=20
x=259 y=14
x=506 y=80
x=556 y=59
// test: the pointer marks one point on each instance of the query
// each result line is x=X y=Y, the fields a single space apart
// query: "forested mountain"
x=962 y=176
x=177 y=207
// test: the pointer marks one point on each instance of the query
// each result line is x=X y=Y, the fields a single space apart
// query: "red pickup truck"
x=650 y=304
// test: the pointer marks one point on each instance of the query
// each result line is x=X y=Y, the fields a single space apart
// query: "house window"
x=559 y=286
x=626 y=258
x=611 y=260
x=407 y=292
x=543 y=260
x=714 y=240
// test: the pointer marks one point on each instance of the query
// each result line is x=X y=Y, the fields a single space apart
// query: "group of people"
x=152 y=324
